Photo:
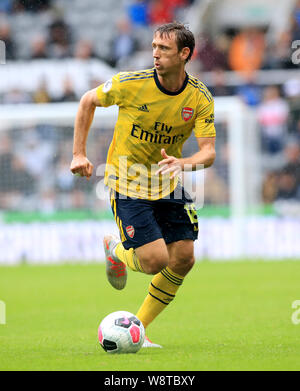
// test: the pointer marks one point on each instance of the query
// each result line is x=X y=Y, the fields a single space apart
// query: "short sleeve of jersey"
x=204 y=123
x=109 y=93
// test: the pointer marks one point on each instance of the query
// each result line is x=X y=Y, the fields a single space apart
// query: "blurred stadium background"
x=246 y=53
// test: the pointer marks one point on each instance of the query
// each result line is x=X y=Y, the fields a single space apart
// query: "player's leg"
x=178 y=222
x=165 y=284
x=178 y=225
x=142 y=248
x=149 y=258
x=181 y=256
x=153 y=257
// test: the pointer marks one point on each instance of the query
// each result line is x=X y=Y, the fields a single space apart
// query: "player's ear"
x=185 y=52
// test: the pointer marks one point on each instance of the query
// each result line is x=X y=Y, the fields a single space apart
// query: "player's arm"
x=205 y=134
x=83 y=121
x=204 y=158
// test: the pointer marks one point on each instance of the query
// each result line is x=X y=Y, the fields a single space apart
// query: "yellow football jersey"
x=151 y=118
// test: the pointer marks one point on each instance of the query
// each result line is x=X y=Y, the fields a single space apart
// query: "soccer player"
x=158 y=110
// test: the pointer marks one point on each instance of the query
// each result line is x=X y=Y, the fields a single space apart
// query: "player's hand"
x=81 y=166
x=169 y=164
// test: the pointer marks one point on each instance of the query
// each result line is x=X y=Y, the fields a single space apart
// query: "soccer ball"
x=121 y=332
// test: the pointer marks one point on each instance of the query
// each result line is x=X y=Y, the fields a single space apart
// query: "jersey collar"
x=159 y=86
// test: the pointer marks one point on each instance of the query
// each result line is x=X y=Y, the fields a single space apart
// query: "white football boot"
x=149 y=344
x=115 y=269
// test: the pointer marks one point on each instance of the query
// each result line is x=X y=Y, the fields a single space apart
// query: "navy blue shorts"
x=143 y=221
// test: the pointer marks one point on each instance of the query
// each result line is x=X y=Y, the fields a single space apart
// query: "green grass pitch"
x=226 y=316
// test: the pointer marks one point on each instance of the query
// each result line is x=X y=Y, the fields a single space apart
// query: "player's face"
x=166 y=56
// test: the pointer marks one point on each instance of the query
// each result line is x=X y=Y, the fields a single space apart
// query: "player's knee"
x=158 y=266
x=183 y=264
x=154 y=264
x=189 y=262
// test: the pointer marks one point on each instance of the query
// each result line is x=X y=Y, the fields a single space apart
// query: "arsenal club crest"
x=130 y=231
x=187 y=113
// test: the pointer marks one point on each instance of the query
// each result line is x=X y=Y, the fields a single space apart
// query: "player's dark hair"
x=184 y=37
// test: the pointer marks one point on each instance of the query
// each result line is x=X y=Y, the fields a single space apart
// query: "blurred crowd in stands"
x=35 y=171
x=60 y=41
x=244 y=51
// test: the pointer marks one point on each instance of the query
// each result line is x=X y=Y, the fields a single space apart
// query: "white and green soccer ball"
x=121 y=332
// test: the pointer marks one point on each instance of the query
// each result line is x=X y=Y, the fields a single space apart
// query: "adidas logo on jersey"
x=144 y=108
